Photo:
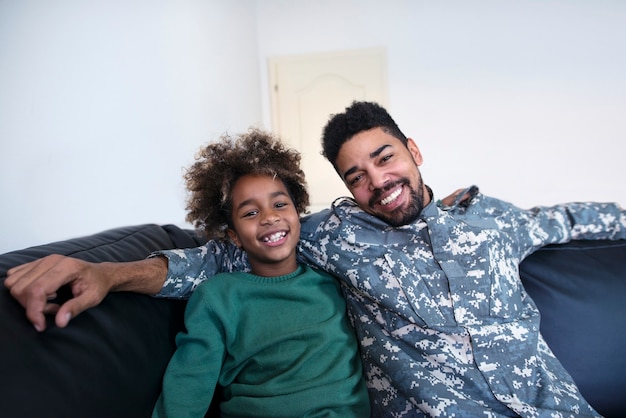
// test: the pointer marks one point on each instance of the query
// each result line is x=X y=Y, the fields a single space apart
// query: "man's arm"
x=534 y=228
x=597 y=220
x=167 y=273
x=187 y=268
x=36 y=283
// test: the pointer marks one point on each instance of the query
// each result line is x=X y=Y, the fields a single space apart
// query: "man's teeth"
x=391 y=197
x=275 y=237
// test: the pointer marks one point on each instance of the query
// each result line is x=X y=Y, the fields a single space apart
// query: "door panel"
x=306 y=90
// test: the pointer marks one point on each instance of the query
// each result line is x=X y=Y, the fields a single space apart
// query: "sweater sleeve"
x=193 y=371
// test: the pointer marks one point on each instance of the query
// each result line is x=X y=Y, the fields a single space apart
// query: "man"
x=444 y=324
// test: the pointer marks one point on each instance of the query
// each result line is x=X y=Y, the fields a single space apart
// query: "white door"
x=306 y=90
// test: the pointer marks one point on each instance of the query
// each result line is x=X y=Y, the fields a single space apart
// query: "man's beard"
x=402 y=215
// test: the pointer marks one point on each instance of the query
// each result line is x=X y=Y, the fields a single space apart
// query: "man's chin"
x=406 y=211
x=399 y=216
x=405 y=214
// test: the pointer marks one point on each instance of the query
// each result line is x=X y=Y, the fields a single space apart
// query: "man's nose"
x=378 y=179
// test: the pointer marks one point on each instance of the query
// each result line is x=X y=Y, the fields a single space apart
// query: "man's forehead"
x=367 y=143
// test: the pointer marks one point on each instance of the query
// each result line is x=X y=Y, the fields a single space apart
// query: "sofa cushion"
x=110 y=360
x=580 y=289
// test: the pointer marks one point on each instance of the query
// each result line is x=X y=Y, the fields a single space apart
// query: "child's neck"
x=274 y=269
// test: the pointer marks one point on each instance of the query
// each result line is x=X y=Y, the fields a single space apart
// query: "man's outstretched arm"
x=36 y=283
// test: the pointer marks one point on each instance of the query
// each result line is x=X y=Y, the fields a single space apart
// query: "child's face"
x=266 y=224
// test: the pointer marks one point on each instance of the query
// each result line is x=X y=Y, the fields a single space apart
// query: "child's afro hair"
x=220 y=164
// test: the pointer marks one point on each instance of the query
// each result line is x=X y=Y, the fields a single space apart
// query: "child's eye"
x=281 y=204
x=250 y=213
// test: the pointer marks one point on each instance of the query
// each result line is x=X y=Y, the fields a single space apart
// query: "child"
x=276 y=339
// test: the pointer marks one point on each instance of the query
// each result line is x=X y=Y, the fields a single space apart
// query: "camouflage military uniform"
x=444 y=325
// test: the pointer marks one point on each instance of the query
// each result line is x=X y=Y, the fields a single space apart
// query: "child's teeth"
x=275 y=237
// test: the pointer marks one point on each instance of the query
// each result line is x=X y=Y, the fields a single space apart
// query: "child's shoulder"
x=314 y=271
x=216 y=283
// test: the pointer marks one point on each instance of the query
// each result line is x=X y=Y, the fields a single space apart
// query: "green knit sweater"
x=279 y=347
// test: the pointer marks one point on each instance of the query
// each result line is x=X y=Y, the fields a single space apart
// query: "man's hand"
x=36 y=283
x=449 y=200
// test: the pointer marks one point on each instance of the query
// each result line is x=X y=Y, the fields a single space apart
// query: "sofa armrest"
x=110 y=360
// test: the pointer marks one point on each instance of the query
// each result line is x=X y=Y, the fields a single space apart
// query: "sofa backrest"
x=580 y=290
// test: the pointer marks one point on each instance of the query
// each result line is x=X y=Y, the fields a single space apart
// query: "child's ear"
x=233 y=235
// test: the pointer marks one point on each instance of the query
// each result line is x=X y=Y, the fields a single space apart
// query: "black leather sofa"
x=109 y=361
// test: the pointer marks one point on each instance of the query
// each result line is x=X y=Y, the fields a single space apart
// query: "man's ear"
x=415 y=151
x=233 y=235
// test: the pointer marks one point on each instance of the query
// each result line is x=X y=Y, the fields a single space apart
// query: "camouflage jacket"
x=444 y=325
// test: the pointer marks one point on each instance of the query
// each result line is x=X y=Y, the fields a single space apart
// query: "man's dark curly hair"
x=220 y=164
x=358 y=117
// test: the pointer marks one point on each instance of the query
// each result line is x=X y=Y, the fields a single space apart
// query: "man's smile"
x=393 y=196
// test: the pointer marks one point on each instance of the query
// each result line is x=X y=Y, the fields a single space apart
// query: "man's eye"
x=355 y=179
x=386 y=157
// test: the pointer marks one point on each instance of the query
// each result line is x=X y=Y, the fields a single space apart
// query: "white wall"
x=102 y=104
x=525 y=98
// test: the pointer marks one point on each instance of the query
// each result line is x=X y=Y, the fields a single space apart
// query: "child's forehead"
x=267 y=179
x=258 y=185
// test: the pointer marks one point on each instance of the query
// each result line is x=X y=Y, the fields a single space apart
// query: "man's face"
x=383 y=176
